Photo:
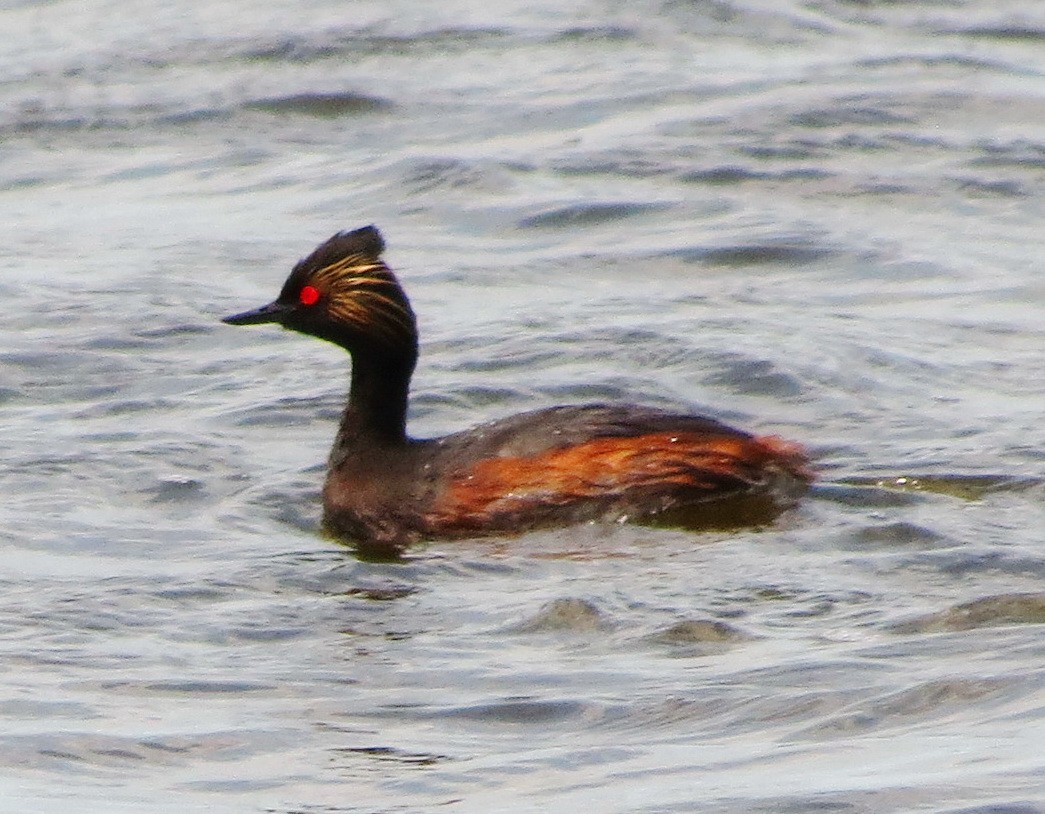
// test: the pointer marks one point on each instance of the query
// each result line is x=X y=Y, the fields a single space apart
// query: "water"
x=817 y=219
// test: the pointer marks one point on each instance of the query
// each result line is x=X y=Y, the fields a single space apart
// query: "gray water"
x=817 y=219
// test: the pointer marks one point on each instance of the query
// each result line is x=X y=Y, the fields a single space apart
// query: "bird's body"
x=549 y=467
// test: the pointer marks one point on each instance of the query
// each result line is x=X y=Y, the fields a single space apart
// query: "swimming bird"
x=549 y=467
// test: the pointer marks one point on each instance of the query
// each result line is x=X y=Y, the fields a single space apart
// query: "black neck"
x=377 y=400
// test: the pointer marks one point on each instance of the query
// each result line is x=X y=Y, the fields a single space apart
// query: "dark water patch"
x=567 y=615
x=900 y=534
x=963 y=487
x=115 y=343
x=1007 y=33
x=178 y=687
x=990 y=611
x=847 y=114
x=864 y=496
x=265 y=632
x=859 y=143
x=521 y=712
x=175 y=331
x=696 y=631
x=1020 y=154
x=173 y=747
x=788 y=254
x=757 y=377
x=46 y=122
x=126 y=407
x=381 y=758
x=25 y=182
x=1015 y=807
x=734 y=175
x=728 y=175
x=606 y=33
x=194 y=116
x=937 y=60
x=961 y=564
x=373 y=553
x=192 y=595
x=587 y=214
x=380 y=593
x=322 y=105
x=850 y=801
x=212 y=787
x=690 y=637
x=987 y=188
x=176 y=490
x=754 y=511
x=790 y=150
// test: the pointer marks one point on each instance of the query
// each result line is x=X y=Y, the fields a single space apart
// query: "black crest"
x=359 y=247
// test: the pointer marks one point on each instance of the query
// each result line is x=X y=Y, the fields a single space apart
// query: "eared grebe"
x=550 y=467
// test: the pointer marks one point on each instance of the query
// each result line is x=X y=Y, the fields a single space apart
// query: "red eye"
x=309 y=295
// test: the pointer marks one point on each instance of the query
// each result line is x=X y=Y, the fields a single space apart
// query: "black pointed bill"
x=273 y=312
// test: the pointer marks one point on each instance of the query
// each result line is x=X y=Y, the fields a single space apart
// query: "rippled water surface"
x=818 y=219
